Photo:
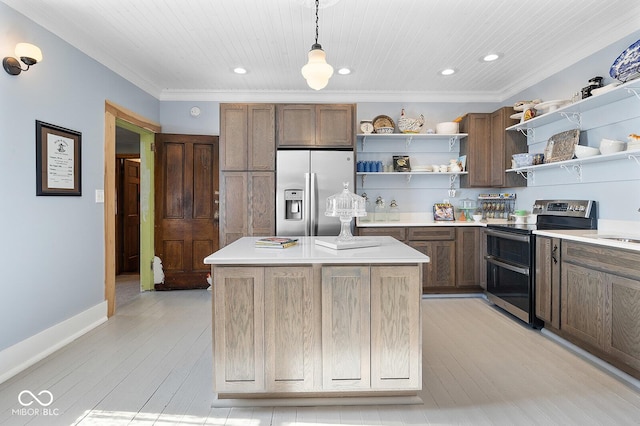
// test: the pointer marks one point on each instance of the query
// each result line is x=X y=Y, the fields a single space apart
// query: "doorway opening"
x=117 y=117
x=128 y=235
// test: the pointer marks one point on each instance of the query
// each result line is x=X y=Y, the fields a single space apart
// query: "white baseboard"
x=24 y=354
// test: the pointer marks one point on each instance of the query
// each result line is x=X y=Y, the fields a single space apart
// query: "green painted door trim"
x=147 y=207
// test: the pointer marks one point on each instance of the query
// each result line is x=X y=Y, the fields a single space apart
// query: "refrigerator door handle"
x=314 y=212
x=307 y=213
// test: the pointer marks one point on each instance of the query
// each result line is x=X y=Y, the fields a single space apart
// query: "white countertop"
x=421 y=219
x=593 y=237
x=244 y=252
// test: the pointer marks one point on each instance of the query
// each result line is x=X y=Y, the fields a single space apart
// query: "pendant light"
x=317 y=71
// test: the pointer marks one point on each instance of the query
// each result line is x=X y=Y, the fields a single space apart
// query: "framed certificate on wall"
x=58 y=160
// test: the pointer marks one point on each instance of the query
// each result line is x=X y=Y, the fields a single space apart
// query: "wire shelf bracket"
x=574 y=169
x=573 y=117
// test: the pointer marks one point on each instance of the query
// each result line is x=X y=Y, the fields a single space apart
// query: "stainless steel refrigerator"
x=304 y=180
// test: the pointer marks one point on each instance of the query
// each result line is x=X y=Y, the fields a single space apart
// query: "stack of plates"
x=421 y=168
x=549 y=106
x=633 y=145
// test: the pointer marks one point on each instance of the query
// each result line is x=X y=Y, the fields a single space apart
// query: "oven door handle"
x=514 y=268
x=508 y=236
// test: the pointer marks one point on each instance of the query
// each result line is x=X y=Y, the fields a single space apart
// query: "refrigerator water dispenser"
x=293 y=204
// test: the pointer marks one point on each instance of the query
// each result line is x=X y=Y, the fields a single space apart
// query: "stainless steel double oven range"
x=511 y=253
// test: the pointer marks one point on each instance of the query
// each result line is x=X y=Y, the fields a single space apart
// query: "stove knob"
x=582 y=208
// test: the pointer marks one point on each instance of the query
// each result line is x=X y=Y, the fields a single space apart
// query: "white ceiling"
x=187 y=49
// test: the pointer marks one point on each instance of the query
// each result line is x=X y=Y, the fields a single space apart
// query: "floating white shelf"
x=575 y=109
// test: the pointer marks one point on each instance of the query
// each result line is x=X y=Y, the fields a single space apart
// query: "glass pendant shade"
x=28 y=53
x=317 y=71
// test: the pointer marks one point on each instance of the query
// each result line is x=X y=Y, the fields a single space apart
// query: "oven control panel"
x=571 y=208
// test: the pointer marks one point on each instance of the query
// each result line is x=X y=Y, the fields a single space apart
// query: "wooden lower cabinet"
x=346 y=350
x=396 y=328
x=622 y=319
x=440 y=271
x=547 y=279
x=467 y=257
x=316 y=328
x=582 y=293
x=456 y=262
x=482 y=269
x=291 y=338
x=600 y=300
x=238 y=346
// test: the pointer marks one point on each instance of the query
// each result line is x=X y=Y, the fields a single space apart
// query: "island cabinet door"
x=238 y=329
x=396 y=336
x=345 y=328
x=291 y=329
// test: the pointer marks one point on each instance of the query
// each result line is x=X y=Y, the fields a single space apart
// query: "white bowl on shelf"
x=447 y=128
x=384 y=130
x=610 y=146
x=586 y=151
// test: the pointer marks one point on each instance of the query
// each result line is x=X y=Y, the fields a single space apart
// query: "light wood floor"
x=151 y=364
x=127 y=288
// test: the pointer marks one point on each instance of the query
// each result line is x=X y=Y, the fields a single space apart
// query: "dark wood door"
x=131 y=215
x=186 y=206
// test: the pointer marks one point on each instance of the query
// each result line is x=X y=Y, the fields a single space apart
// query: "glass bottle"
x=394 y=211
x=380 y=214
x=367 y=207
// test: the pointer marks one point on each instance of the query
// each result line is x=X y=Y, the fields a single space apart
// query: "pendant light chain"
x=317 y=71
x=317 y=5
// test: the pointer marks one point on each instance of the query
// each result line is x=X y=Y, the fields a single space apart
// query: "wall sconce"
x=28 y=54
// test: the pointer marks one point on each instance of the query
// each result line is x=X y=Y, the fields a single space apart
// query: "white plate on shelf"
x=517 y=116
x=523 y=107
x=549 y=106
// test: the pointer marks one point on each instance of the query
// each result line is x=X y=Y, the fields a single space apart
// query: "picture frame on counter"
x=443 y=211
x=58 y=160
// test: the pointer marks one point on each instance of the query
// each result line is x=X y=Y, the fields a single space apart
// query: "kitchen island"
x=310 y=325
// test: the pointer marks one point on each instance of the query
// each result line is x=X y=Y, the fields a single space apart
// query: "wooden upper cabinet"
x=233 y=136
x=322 y=126
x=261 y=138
x=335 y=126
x=503 y=145
x=296 y=125
x=247 y=137
x=477 y=148
x=489 y=148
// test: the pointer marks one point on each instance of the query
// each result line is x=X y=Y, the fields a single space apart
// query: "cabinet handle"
x=553 y=254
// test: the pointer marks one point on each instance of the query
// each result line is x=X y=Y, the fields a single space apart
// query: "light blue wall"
x=175 y=118
x=52 y=248
x=614 y=185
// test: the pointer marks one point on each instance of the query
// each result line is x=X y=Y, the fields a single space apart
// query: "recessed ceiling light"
x=447 y=71
x=491 y=57
x=240 y=70
x=344 y=71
